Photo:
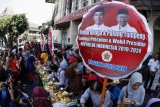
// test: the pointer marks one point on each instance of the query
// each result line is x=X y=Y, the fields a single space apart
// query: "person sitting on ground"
x=133 y=94
x=94 y=91
x=4 y=95
x=62 y=61
x=44 y=56
x=58 y=74
x=87 y=77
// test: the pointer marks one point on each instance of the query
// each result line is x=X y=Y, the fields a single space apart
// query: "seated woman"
x=95 y=93
x=58 y=74
x=133 y=94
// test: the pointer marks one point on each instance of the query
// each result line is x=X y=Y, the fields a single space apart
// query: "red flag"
x=42 y=42
x=51 y=40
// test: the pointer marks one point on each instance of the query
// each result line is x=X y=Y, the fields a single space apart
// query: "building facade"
x=32 y=34
x=68 y=15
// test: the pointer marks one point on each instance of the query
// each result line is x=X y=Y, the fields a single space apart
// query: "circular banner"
x=114 y=39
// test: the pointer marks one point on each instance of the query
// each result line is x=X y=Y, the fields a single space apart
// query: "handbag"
x=122 y=104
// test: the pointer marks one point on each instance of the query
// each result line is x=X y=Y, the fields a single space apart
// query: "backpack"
x=115 y=93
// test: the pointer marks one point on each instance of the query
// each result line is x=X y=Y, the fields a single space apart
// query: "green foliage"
x=45 y=28
x=4 y=25
x=13 y=26
x=34 y=37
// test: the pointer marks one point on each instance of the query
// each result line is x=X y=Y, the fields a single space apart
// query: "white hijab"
x=134 y=94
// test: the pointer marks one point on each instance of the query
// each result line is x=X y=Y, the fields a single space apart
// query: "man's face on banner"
x=122 y=19
x=98 y=18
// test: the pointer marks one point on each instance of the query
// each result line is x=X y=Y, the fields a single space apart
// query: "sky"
x=37 y=11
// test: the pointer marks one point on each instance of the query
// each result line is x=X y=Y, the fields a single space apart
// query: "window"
x=20 y=40
x=96 y=1
x=55 y=11
x=65 y=7
x=69 y=40
x=76 y=4
x=69 y=6
x=85 y=3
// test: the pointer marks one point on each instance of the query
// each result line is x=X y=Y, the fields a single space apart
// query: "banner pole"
x=104 y=86
x=103 y=91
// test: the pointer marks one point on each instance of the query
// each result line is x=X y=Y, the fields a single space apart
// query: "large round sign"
x=114 y=39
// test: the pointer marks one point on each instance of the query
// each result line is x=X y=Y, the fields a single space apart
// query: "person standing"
x=3 y=75
x=62 y=61
x=74 y=78
x=153 y=67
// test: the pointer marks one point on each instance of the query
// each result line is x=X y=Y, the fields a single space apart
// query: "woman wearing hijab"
x=40 y=98
x=133 y=94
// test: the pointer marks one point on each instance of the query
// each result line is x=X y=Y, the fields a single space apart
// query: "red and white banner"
x=42 y=43
x=51 y=40
x=114 y=39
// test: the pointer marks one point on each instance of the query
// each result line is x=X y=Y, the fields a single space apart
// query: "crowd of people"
x=65 y=66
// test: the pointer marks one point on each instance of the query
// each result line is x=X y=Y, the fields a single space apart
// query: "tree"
x=3 y=27
x=45 y=27
x=11 y=27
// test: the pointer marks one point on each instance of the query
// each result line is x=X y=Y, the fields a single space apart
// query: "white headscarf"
x=134 y=94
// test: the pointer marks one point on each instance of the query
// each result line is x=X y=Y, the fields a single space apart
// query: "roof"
x=33 y=27
x=50 y=1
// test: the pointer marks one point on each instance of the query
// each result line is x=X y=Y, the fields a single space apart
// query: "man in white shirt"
x=153 y=67
x=122 y=19
x=62 y=61
x=58 y=74
x=98 y=16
